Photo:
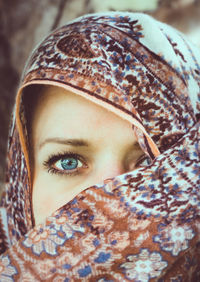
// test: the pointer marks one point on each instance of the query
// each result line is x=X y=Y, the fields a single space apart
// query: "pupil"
x=69 y=163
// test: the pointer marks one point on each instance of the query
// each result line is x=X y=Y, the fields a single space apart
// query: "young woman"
x=103 y=156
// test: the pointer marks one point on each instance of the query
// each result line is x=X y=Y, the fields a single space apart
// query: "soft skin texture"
x=59 y=116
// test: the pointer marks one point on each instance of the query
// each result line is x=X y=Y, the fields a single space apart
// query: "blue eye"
x=68 y=163
x=144 y=160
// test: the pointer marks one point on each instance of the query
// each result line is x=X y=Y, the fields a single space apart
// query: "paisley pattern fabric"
x=140 y=226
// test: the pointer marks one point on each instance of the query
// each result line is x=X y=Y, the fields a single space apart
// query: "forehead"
x=63 y=113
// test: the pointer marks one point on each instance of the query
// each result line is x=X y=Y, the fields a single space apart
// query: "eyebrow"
x=63 y=141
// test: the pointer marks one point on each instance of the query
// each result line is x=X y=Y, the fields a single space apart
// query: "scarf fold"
x=140 y=226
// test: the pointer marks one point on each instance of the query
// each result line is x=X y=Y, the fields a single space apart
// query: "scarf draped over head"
x=140 y=226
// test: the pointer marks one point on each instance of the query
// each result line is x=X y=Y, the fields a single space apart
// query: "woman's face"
x=75 y=144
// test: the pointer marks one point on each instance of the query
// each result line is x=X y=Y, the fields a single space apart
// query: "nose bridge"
x=109 y=167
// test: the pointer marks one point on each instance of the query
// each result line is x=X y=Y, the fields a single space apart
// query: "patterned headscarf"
x=143 y=225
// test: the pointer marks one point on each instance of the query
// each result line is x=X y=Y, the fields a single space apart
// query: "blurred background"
x=24 y=23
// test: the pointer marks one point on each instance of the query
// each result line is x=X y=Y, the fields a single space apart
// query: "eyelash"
x=52 y=159
x=143 y=160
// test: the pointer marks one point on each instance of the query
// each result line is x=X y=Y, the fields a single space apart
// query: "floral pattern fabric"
x=143 y=225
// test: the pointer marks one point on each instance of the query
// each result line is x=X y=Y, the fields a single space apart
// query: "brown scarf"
x=140 y=226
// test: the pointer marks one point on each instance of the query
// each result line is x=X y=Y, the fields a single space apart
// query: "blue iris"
x=69 y=163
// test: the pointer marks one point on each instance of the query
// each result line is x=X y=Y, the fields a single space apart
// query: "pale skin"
x=75 y=144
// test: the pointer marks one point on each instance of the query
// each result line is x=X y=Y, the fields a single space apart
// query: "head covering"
x=142 y=225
